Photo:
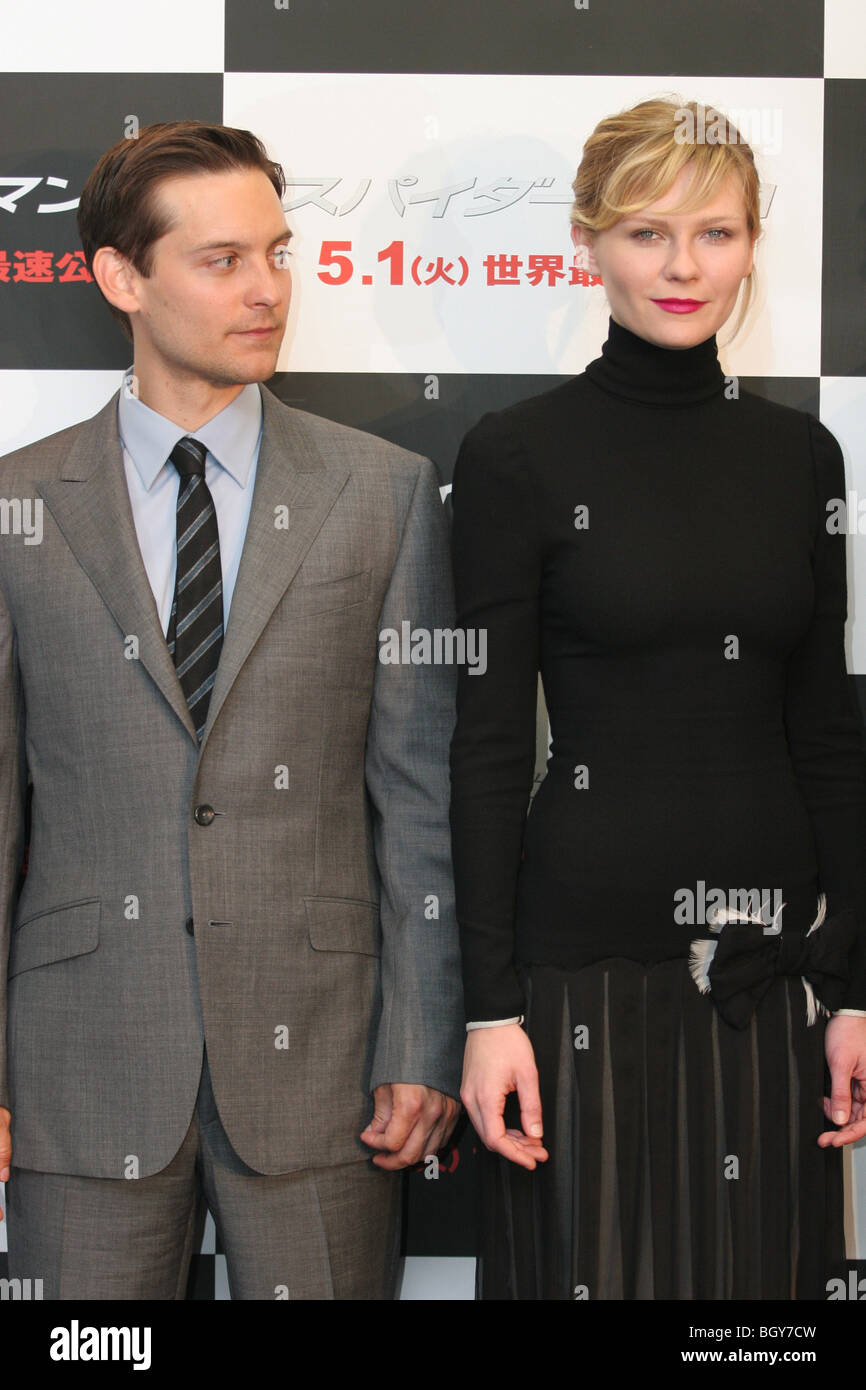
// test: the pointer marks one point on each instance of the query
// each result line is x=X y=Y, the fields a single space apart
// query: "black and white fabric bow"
x=739 y=967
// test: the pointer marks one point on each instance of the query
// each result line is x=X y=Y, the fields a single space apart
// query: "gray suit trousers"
x=321 y=1233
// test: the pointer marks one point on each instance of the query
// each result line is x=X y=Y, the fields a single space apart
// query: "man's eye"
x=224 y=260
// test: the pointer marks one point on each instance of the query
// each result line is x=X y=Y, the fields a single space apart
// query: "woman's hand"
x=845 y=1049
x=498 y=1061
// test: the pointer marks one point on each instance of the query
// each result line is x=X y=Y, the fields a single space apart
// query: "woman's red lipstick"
x=680 y=306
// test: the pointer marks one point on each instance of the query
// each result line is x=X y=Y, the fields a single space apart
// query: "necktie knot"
x=188 y=456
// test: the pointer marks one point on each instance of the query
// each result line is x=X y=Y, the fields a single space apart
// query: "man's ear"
x=117 y=279
x=582 y=238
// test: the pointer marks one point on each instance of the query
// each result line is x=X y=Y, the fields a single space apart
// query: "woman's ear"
x=583 y=241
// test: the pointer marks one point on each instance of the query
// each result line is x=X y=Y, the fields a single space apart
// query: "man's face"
x=214 y=306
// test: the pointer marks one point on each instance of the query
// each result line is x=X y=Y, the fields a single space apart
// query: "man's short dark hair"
x=118 y=205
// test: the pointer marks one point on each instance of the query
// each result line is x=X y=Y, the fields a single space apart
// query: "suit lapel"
x=294 y=480
x=90 y=503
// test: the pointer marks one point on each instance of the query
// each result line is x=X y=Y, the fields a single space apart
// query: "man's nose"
x=266 y=284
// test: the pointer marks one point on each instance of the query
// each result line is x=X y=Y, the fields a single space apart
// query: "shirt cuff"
x=849 y=1013
x=496 y=1023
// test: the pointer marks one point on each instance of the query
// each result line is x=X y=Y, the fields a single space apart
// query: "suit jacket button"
x=189 y=925
x=204 y=814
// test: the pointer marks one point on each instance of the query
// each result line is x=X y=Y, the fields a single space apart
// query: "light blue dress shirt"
x=232 y=439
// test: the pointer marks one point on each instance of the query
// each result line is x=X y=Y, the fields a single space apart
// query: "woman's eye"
x=644 y=234
x=718 y=233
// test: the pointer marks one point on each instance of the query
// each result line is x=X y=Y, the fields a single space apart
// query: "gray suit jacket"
x=307 y=838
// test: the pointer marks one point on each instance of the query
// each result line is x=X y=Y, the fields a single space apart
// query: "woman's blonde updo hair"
x=632 y=158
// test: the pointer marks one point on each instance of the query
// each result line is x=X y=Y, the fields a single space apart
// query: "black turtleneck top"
x=655 y=544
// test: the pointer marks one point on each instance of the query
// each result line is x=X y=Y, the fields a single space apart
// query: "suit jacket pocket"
x=56 y=934
x=328 y=594
x=343 y=924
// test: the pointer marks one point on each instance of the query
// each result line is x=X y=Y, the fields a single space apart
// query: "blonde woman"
x=651 y=955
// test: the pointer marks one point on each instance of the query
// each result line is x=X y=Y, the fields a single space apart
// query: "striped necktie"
x=195 y=628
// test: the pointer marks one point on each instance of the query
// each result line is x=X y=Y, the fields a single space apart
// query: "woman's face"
x=673 y=277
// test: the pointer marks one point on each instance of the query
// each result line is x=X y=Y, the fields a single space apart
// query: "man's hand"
x=498 y=1061
x=410 y=1122
x=845 y=1049
x=5 y=1147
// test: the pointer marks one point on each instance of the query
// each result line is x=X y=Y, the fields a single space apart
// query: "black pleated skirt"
x=683 y=1157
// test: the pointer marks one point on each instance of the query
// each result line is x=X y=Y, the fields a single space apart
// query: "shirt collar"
x=232 y=436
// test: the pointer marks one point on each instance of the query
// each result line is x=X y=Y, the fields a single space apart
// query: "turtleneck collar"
x=636 y=370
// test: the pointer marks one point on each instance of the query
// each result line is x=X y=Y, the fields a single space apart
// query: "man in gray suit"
x=237 y=920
